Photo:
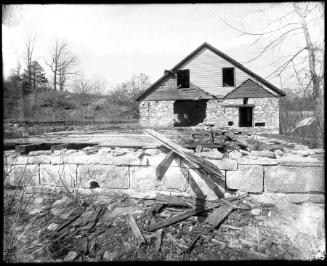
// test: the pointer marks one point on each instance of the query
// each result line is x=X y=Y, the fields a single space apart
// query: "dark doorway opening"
x=246 y=115
x=189 y=113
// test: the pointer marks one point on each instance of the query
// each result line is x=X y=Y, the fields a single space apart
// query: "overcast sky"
x=116 y=41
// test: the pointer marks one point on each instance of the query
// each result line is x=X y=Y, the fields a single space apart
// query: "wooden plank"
x=193 y=160
x=156 y=208
x=157 y=242
x=179 y=218
x=190 y=247
x=71 y=218
x=135 y=229
x=174 y=200
x=175 y=219
x=25 y=149
x=218 y=215
x=164 y=165
x=173 y=240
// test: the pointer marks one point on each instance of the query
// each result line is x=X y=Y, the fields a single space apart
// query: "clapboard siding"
x=206 y=73
x=249 y=89
x=167 y=90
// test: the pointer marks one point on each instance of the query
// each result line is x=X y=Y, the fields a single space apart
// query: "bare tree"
x=89 y=86
x=62 y=64
x=306 y=61
x=29 y=50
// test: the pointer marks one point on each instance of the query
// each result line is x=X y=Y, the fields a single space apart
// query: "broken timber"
x=178 y=218
x=135 y=229
x=219 y=215
x=164 y=165
x=195 y=161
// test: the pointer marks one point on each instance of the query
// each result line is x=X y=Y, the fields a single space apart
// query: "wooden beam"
x=179 y=218
x=25 y=149
x=135 y=229
x=164 y=165
x=219 y=215
x=193 y=160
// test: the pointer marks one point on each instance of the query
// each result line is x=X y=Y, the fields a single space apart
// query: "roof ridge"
x=219 y=53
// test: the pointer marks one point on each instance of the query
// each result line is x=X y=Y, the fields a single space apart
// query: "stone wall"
x=156 y=113
x=266 y=110
x=133 y=171
x=161 y=113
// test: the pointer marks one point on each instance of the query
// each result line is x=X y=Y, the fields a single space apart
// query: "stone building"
x=209 y=87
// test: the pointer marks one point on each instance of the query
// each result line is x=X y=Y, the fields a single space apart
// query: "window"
x=260 y=124
x=228 y=77
x=245 y=100
x=183 y=78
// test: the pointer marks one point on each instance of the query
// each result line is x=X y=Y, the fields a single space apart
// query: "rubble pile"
x=164 y=228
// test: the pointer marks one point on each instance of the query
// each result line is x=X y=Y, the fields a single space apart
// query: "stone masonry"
x=161 y=113
x=266 y=110
x=156 y=113
x=133 y=171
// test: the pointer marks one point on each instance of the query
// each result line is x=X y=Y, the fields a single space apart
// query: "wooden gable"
x=249 y=89
x=206 y=65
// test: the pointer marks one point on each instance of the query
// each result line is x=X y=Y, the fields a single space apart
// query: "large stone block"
x=225 y=164
x=82 y=158
x=175 y=179
x=247 y=178
x=294 y=179
x=294 y=160
x=143 y=177
x=155 y=160
x=107 y=176
x=24 y=175
x=200 y=187
x=258 y=161
x=27 y=159
x=132 y=158
x=58 y=174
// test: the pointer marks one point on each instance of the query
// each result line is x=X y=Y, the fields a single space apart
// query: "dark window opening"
x=228 y=77
x=94 y=184
x=245 y=100
x=189 y=113
x=260 y=124
x=230 y=123
x=245 y=115
x=183 y=78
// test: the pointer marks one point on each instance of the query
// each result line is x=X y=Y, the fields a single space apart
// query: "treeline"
x=297 y=102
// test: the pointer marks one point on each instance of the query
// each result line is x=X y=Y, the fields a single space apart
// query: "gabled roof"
x=171 y=92
x=249 y=89
x=217 y=52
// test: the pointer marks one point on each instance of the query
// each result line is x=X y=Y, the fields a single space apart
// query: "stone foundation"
x=156 y=113
x=266 y=110
x=133 y=171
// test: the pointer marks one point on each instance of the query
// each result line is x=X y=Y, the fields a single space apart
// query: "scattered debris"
x=256 y=212
x=136 y=230
x=219 y=215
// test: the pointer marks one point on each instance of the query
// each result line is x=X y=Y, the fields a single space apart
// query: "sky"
x=114 y=42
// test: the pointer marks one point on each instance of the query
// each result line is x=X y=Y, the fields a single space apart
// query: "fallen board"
x=218 y=215
x=164 y=165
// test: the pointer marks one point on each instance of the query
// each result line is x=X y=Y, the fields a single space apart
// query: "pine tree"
x=34 y=78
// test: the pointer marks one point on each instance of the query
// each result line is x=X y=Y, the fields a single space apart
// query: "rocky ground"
x=264 y=231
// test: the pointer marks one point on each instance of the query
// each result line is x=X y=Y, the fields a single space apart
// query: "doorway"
x=246 y=116
x=189 y=113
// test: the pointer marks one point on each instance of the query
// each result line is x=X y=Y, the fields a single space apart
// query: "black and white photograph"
x=163 y=132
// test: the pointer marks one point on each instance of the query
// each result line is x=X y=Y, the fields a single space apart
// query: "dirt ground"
x=265 y=232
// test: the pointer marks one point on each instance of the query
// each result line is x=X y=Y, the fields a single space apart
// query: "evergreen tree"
x=34 y=78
